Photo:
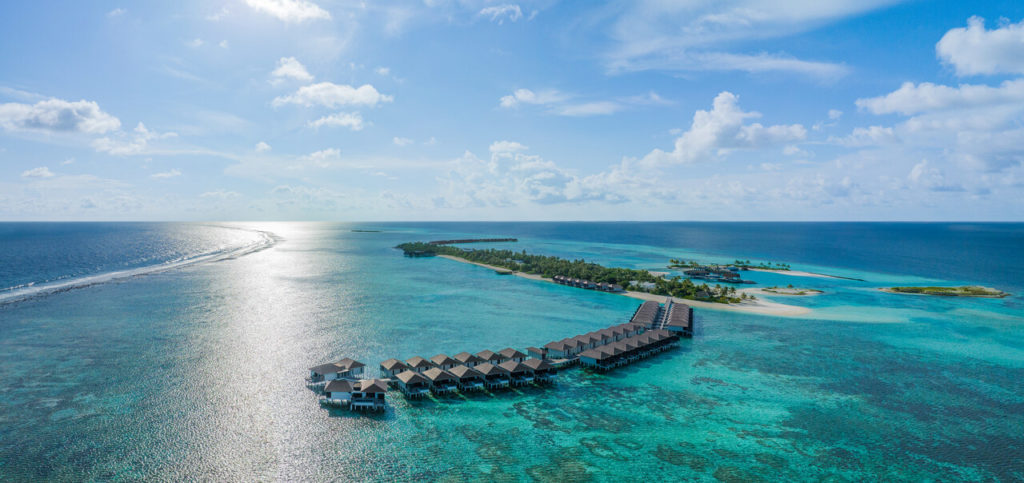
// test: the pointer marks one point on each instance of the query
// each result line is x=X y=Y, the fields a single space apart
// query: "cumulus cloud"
x=975 y=50
x=399 y=141
x=325 y=158
x=40 y=172
x=351 y=120
x=500 y=13
x=117 y=12
x=57 y=115
x=262 y=147
x=913 y=98
x=334 y=95
x=126 y=145
x=220 y=194
x=716 y=132
x=870 y=136
x=597 y=108
x=291 y=11
x=166 y=174
x=526 y=96
x=931 y=178
x=290 y=68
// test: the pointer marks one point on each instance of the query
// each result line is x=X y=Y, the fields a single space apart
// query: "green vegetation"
x=547 y=266
x=365 y=231
x=790 y=290
x=744 y=264
x=968 y=291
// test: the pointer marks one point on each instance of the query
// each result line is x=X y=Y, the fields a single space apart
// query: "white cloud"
x=506 y=147
x=262 y=147
x=325 y=158
x=382 y=71
x=223 y=44
x=401 y=141
x=694 y=36
x=57 y=115
x=166 y=174
x=218 y=15
x=41 y=172
x=714 y=133
x=138 y=144
x=334 y=95
x=975 y=50
x=499 y=13
x=351 y=120
x=291 y=11
x=117 y=12
x=834 y=114
x=931 y=178
x=870 y=136
x=289 y=67
x=526 y=96
x=195 y=43
x=913 y=98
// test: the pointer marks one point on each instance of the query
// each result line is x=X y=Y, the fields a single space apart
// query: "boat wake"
x=26 y=291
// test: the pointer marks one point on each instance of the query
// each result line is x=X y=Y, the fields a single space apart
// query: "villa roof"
x=467 y=358
x=511 y=353
x=418 y=362
x=339 y=385
x=343 y=365
x=515 y=367
x=438 y=375
x=372 y=385
x=535 y=350
x=488 y=369
x=595 y=354
x=443 y=360
x=558 y=345
x=464 y=372
x=538 y=364
x=391 y=364
x=487 y=355
x=411 y=377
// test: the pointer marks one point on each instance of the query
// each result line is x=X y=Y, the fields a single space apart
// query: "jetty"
x=653 y=328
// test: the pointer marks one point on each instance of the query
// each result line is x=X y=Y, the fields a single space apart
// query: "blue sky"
x=504 y=110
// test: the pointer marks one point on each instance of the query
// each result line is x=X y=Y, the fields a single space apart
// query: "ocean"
x=177 y=351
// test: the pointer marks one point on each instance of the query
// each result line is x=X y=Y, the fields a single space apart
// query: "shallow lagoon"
x=197 y=372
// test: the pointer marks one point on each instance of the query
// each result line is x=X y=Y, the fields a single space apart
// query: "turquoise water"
x=196 y=372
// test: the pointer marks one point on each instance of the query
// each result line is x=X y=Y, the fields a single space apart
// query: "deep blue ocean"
x=176 y=351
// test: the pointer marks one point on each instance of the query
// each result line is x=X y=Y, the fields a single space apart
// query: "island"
x=965 y=291
x=791 y=290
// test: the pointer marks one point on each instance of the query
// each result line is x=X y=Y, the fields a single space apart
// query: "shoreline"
x=1000 y=295
x=809 y=292
x=761 y=307
x=801 y=273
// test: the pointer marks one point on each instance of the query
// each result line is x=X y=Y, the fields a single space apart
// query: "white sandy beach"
x=794 y=273
x=782 y=292
x=760 y=306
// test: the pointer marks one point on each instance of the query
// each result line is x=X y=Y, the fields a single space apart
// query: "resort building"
x=343 y=369
x=469 y=379
x=392 y=367
x=369 y=394
x=412 y=384
x=557 y=350
x=418 y=364
x=494 y=377
x=441 y=381
x=679 y=319
x=536 y=352
x=444 y=362
x=521 y=373
x=543 y=371
x=510 y=354
x=467 y=359
x=628 y=350
x=489 y=356
x=338 y=392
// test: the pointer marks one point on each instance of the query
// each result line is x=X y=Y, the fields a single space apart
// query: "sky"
x=801 y=110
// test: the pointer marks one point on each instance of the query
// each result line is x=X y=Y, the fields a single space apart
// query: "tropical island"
x=548 y=267
x=790 y=290
x=740 y=264
x=965 y=291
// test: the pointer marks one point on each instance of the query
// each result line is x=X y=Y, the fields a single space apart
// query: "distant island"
x=790 y=290
x=965 y=291
x=549 y=267
x=740 y=264
x=365 y=231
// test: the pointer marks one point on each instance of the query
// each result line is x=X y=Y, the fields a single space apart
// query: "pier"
x=653 y=328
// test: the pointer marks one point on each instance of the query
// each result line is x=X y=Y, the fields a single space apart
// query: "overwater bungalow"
x=543 y=371
x=558 y=349
x=489 y=356
x=467 y=359
x=369 y=394
x=343 y=369
x=338 y=392
x=392 y=367
x=441 y=381
x=510 y=354
x=469 y=379
x=521 y=373
x=418 y=364
x=494 y=376
x=444 y=362
x=596 y=358
x=680 y=320
x=412 y=384
x=536 y=352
